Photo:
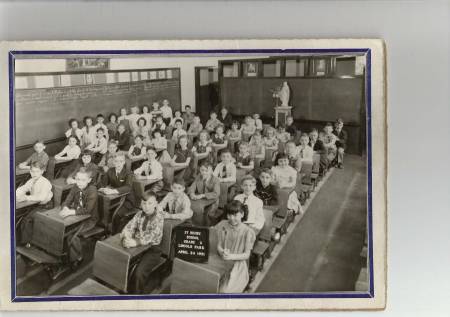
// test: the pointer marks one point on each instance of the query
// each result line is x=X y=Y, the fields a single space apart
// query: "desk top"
x=146 y=181
x=61 y=182
x=112 y=196
x=25 y=204
x=61 y=161
x=21 y=171
x=115 y=242
x=67 y=221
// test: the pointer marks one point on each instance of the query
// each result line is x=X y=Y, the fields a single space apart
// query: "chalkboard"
x=192 y=243
x=321 y=99
x=44 y=113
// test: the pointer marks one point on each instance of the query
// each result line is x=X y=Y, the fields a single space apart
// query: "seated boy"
x=341 y=143
x=37 y=188
x=101 y=124
x=151 y=169
x=290 y=127
x=182 y=158
x=318 y=147
x=118 y=180
x=123 y=137
x=81 y=200
x=178 y=125
x=176 y=204
x=145 y=228
x=204 y=193
x=107 y=160
x=86 y=163
x=265 y=190
x=329 y=141
x=293 y=155
x=226 y=172
x=255 y=216
x=39 y=155
x=166 y=112
x=159 y=125
x=99 y=147
x=188 y=117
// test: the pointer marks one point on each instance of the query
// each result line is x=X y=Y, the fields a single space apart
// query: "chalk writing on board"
x=192 y=244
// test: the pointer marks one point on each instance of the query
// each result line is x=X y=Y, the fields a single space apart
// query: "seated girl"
x=74 y=130
x=123 y=119
x=142 y=129
x=89 y=132
x=112 y=126
x=202 y=149
x=160 y=144
x=70 y=152
x=257 y=150
x=147 y=116
x=218 y=141
x=181 y=158
x=159 y=125
x=285 y=178
x=265 y=190
x=137 y=151
x=235 y=243
x=86 y=163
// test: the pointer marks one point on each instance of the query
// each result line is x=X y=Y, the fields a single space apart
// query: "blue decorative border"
x=369 y=294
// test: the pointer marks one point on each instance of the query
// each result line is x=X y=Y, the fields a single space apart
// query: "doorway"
x=206 y=91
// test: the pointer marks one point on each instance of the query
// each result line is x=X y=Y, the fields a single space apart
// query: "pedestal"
x=281 y=113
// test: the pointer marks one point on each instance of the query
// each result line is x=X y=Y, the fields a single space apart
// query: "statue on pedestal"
x=282 y=93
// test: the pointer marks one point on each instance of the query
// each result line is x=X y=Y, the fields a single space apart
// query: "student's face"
x=159 y=120
x=151 y=155
x=328 y=129
x=256 y=116
x=100 y=120
x=187 y=109
x=304 y=140
x=145 y=110
x=178 y=125
x=123 y=112
x=155 y=106
x=157 y=135
x=313 y=136
x=226 y=157
x=338 y=125
x=141 y=123
x=243 y=148
x=134 y=110
x=112 y=148
x=205 y=172
x=290 y=147
x=86 y=159
x=177 y=114
x=196 y=120
x=74 y=124
x=265 y=179
x=289 y=120
x=82 y=180
x=149 y=205
x=234 y=127
x=113 y=119
x=224 y=112
x=137 y=141
x=248 y=120
x=283 y=162
x=119 y=162
x=39 y=147
x=203 y=137
x=121 y=129
x=235 y=219
x=219 y=130
x=88 y=122
x=36 y=172
x=72 y=142
x=248 y=187
x=183 y=142
x=213 y=116
x=281 y=130
x=177 y=189
x=100 y=134
x=166 y=103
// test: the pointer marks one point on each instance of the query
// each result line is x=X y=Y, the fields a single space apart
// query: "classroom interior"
x=323 y=250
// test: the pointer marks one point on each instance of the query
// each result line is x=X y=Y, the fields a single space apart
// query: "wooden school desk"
x=141 y=185
x=60 y=164
x=200 y=278
x=107 y=205
x=23 y=207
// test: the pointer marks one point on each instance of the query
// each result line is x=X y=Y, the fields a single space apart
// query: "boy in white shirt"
x=178 y=130
x=176 y=204
x=100 y=124
x=99 y=147
x=133 y=118
x=37 y=188
x=152 y=170
x=166 y=112
x=255 y=216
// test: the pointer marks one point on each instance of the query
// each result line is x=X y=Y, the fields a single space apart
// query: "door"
x=206 y=91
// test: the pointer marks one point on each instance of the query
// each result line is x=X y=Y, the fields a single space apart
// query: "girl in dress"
x=218 y=141
x=257 y=150
x=271 y=145
x=147 y=116
x=138 y=150
x=142 y=130
x=89 y=132
x=112 y=125
x=234 y=136
x=202 y=149
x=235 y=243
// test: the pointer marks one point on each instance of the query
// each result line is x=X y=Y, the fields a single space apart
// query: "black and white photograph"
x=155 y=175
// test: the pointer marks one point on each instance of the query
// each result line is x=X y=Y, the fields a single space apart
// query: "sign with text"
x=192 y=243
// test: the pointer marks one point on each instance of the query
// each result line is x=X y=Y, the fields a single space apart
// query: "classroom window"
x=230 y=70
x=272 y=69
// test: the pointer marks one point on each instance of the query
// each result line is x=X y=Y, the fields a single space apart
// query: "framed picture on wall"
x=162 y=74
x=153 y=75
x=83 y=64
x=251 y=69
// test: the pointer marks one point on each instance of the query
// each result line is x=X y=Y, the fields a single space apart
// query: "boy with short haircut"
x=243 y=157
x=177 y=116
x=255 y=217
x=212 y=123
x=99 y=147
x=107 y=160
x=100 y=124
x=145 y=228
x=166 y=112
x=159 y=125
x=117 y=180
x=293 y=156
x=226 y=170
x=176 y=204
x=318 y=147
x=178 y=132
x=265 y=190
x=81 y=200
x=290 y=126
x=151 y=169
x=226 y=118
x=123 y=137
x=188 y=117
x=205 y=193
x=37 y=188
x=305 y=152
x=329 y=141
x=86 y=163
x=39 y=155
x=341 y=142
